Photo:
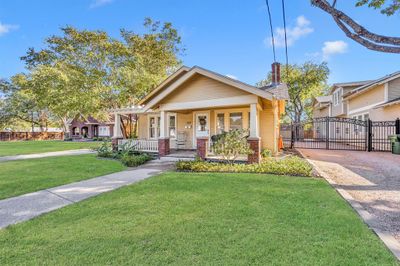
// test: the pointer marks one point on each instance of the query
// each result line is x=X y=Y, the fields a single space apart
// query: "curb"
x=390 y=242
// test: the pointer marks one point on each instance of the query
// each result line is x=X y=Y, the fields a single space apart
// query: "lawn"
x=20 y=177
x=29 y=147
x=201 y=219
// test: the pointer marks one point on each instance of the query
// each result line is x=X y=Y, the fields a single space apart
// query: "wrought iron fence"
x=336 y=133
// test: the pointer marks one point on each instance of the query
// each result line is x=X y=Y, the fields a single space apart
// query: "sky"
x=230 y=37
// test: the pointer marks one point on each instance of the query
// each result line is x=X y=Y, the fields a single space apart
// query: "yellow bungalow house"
x=193 y=104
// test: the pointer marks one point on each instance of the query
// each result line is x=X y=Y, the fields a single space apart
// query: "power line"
x=272 y=30
x=286 y=45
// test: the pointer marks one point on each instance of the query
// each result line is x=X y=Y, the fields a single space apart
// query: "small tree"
x=231 y=144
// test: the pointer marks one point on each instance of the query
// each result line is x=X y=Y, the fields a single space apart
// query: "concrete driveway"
x=371 y=178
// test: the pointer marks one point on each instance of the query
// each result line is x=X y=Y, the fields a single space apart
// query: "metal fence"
x=335 y=133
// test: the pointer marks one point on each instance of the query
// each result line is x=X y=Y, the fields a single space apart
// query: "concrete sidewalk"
x=28 y=206
x=45 y=154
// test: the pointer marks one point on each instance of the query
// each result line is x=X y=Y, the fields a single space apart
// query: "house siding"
x=394 y=89
x=266 y=119
x=368 y=98
x=388 y=113
x=200 y=88
x=320 y=112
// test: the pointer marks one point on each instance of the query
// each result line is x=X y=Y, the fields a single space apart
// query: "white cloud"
x=334 y=47
x=99 y=3
x=231 y=76
x=6 y=28
x=301 y=29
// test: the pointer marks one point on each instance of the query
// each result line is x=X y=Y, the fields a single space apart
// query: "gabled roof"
x=349 y=84
x=185 y=73
x=372 y=84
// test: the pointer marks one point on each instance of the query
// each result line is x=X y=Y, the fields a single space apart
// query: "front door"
x=202 y=126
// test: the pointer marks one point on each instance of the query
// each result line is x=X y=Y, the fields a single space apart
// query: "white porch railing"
x=139 y=144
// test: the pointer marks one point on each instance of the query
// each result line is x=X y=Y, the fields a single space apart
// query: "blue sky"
x=227 y=36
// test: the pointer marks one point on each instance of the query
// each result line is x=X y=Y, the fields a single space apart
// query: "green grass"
x=24 y=176
x=201 y=219
x=28 y=147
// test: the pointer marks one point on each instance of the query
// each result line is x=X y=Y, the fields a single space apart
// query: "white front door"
x=202 y=126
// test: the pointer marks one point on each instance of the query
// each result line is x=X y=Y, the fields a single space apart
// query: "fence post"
x=397 y=126
x=291 y=136
x=327 y=132
x=369 y=135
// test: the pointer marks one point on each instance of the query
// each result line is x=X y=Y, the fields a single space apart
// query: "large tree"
x=304 y=82
x=357 y=32
x=85 y=73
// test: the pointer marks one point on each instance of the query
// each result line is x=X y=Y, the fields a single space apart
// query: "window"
x=235 y=121
x=336 y=96
x=104 y=131
x=158 y=126
x=152 y=127
x=220 y=123
x=172 y=126
x=366 y=117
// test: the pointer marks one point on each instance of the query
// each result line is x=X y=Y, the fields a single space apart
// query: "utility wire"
x=286 y=45
x=272 y=30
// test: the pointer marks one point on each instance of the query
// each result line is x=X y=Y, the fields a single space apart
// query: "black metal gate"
x=336 y=133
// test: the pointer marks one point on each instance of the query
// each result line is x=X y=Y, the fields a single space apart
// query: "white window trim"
x=156 y=126
x=176 y=124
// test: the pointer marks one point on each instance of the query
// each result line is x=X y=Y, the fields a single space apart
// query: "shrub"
x=105 y=150
x=291 y=165
x=231 y=144
x=266 y=153
x=134 y=160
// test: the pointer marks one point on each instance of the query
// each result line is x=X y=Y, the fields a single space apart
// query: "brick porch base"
x=202 y=147
x=163 y=146
x=255 y=146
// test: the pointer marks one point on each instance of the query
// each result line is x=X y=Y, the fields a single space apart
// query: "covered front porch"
x=189 y=131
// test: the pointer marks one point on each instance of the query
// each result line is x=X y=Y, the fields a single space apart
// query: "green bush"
x=134 y=160
x=291 y=165
x=266 y=153
x=105 y=150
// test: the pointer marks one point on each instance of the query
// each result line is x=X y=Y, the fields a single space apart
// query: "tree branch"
x=361 y=35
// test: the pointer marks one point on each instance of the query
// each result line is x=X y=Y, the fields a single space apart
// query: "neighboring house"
x=378 y=100
x=193 y=104
x=322 y=106
x=91 y=128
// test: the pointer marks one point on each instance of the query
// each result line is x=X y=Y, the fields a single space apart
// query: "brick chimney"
x=276 y=73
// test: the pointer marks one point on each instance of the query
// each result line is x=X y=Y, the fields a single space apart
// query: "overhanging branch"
x=360 y=34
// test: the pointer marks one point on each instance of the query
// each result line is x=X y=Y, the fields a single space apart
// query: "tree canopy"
x=85 y=73
x=304 y=82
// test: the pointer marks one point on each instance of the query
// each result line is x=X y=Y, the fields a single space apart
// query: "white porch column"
x=117 y=126
x=163 y=125
x=254 y=127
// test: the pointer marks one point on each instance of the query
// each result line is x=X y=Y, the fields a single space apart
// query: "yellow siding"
x=143 y=127
x=388 y=113
x=370 y=97
x=267 y=128
x=201 y=88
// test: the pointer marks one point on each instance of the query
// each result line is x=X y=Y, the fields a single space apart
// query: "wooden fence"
x=11 y=136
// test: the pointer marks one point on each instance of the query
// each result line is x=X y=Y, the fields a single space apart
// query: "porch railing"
x=140 y=144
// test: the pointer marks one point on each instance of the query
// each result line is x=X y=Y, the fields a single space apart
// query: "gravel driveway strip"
x=370 y=182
